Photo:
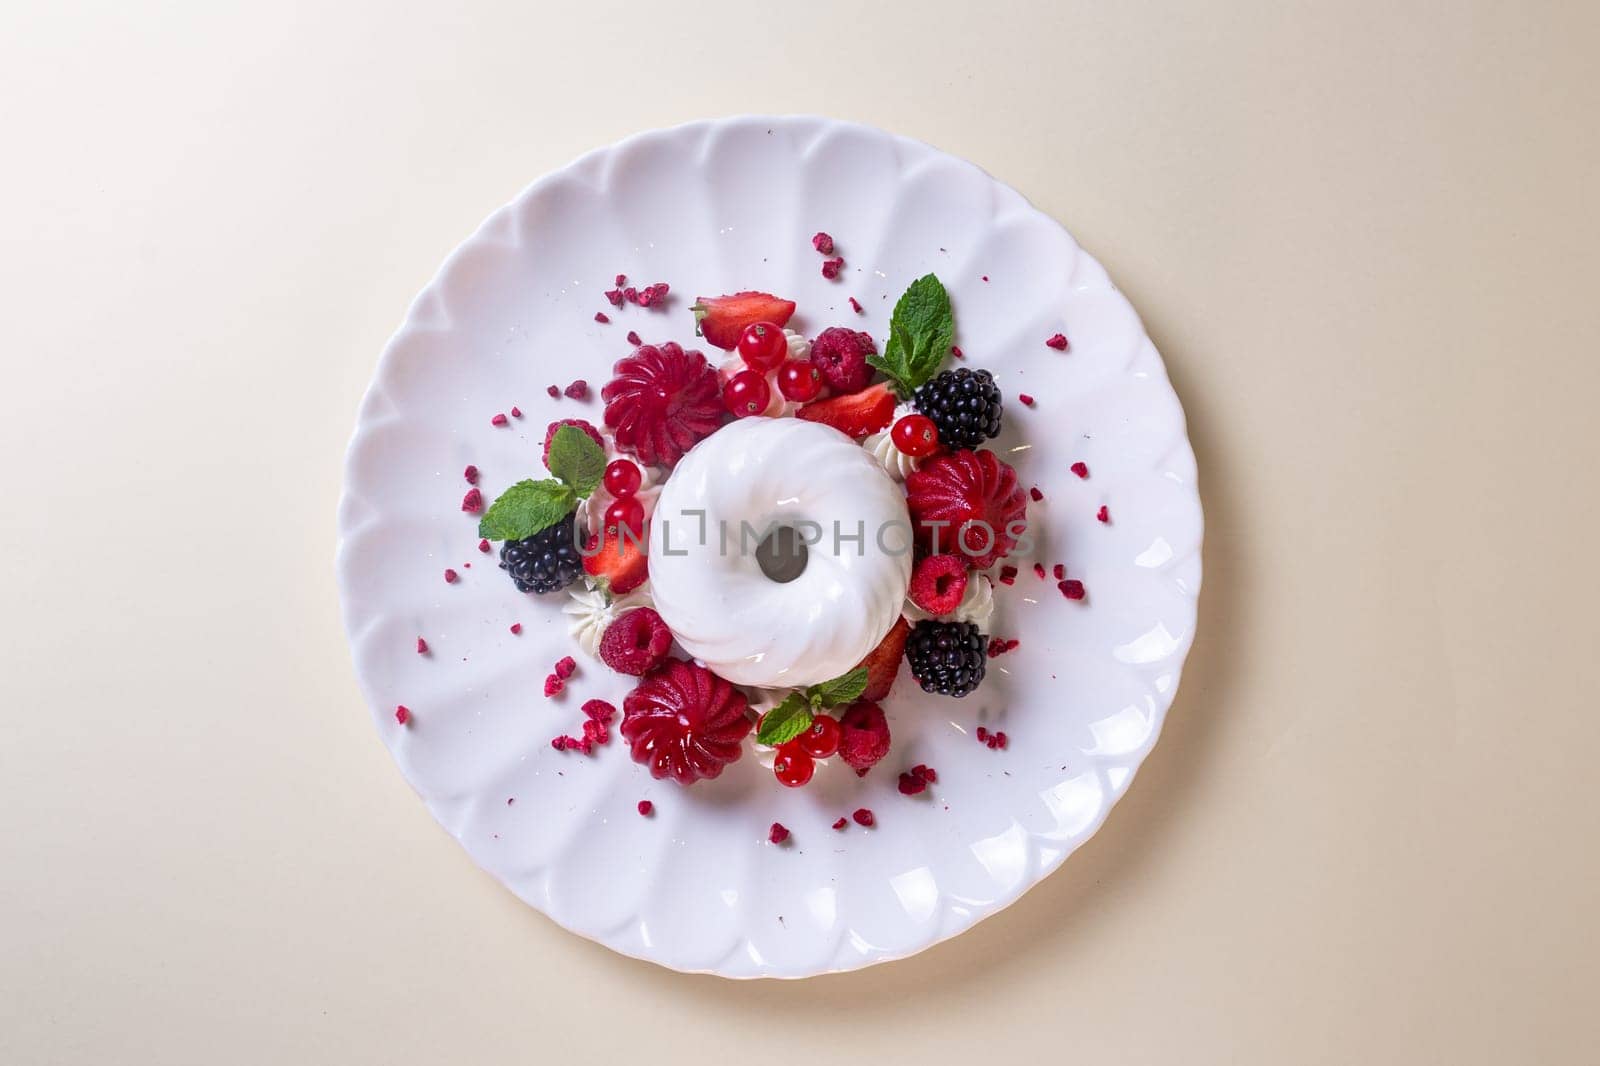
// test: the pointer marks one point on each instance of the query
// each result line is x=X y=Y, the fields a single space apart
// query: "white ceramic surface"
x=715 y=207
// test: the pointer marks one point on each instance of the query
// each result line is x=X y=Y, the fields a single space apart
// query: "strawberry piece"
x=968 y=501
x=721 y=319
x=856 y=415
x=661 y=401
x=621 y=562
x=684 y=722
x=883 y=662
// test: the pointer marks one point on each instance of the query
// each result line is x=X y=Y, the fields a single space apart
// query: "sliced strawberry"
x=722 y=318
x=621 y=562
x=883 y=662
x=855 y=415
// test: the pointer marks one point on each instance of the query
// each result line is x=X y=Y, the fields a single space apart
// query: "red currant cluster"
x=796 y=760
x=622 y=479
x=764 y=348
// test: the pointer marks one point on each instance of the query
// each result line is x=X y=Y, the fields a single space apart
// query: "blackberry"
x=544 y=562
x=964 y=404
x=947 y=658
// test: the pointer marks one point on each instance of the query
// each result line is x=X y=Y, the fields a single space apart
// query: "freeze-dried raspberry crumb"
x=614 y=296
x=633 y=338
x=472 y=502
x=855 y=305
x=483 y=546
x=402 y=714
x=926 y=772
x=1038 y=571
x=1036 y=494
x=831 y=267
x=565 y=667
x=955 y=350
x=516 y=627
x=911 y=784
x=822 y=243
x=1080 y=468
x=1058 y=342
x=595 y=732
x=553 y=390
x=986 y=277
x=1000 y=741
x=1060 y=570
x=1027 y=401
x=620 y=280
x=599 y=711
x=651 y=295
x=498 y=420
x=1103 y=515
x=467 y=565
x=1072 y=589
x=471 y=474
x=450 y=576
x=982 y=734
x=841 y=823
x=602 y=318
x=1008 y=575
x=422 y=646
x=778 y=833
x=645 y=808
x=631 y=294
x=516 y=412
x=578 y=390
x=999 y=646
x=863 y=816
x=553 y=685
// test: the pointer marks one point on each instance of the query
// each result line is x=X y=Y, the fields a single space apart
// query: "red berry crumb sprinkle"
x=1027 y=401
x=422 y=646
x=553 y=685
x=916 y=779
x=1060 y=571
x=1072 y=589
x=498 y=420
x=578 y=390
x=402 y=714
x=778 y=833
x=1038 y=571
x=1103 y=515
x=822 y=243
x=1081 y=469
x=554 y=391
x=1008 y=575
x=516 y=627
x=863 y=816
x=602 y=318
x=955 y=350
x=516 y=412
x=831 y=267
x=646 y=808
x=599 y=711
x=615 y=295
x=1000 y=645
x=620 y=280
x=855 y=305
x=565 y=667
x=633 y=338
x=1058 y=342
x=841 y=823
x=450 y=576
x=982 y=735
x=1036 y=494
x=997 y=740
x=472 y=502
x=471 y=474
x=483 y=546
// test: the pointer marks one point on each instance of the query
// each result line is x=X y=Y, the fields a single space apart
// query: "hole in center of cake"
x=782 y=555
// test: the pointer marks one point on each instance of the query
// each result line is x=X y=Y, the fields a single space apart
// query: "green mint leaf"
x=576 y=459
x=785 y=721
x=920 y=334
x=526 y=508
x=841 y=690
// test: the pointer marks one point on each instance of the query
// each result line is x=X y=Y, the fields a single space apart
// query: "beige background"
x=1364 y=234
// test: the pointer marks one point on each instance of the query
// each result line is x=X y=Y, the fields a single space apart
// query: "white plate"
x=715 y=207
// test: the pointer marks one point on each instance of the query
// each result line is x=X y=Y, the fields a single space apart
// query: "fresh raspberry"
x=977 y=499
x=565 y=667
x=646 y=808
x=938 y=583
x=778 y=833
x=822 y=243
x=684 y=722
x=402 y=714
x=550 y=434
x=863 y=737
x=661 y=401
x=636 y=642
x=578 y=390
x=863 y=817
x=840 y=355
x=472 y=502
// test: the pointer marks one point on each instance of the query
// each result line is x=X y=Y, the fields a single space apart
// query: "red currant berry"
x=915 y=435
x=793 y=766
x=763 y=346
x=799 y=380
x=821 y=739
x=626 y=513
x=746 y=394
x=622 y=478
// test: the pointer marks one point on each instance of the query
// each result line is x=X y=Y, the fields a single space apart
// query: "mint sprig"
x=527 y=508
x=576 y=459
x=921 y=331
x=795 y=714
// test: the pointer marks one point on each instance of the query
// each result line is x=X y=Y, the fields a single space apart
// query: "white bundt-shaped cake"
x=749 y=478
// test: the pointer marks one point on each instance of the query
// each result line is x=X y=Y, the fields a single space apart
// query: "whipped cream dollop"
x=592 y=611
x=761 y=474
x=976 y=606
x=896 y=463
x=777 y=406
